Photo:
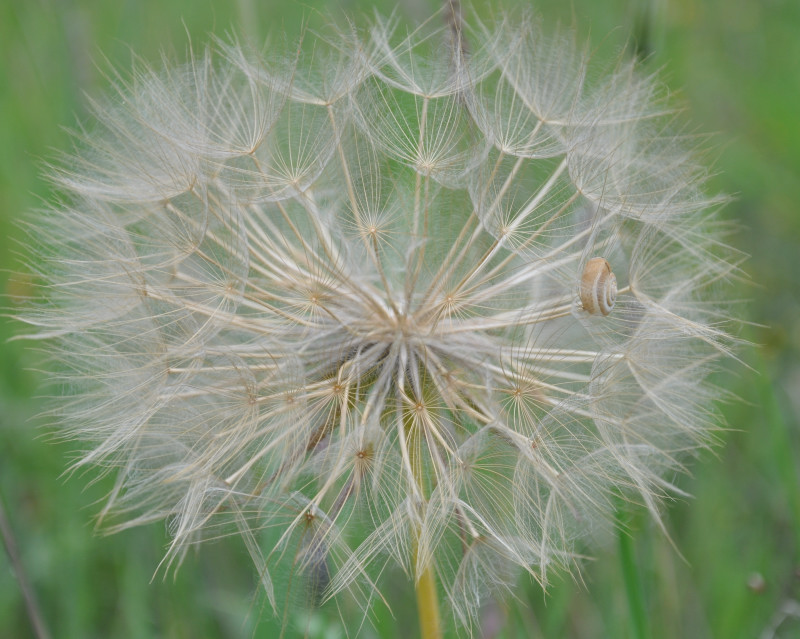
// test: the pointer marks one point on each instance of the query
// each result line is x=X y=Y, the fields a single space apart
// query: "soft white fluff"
x=331 y=304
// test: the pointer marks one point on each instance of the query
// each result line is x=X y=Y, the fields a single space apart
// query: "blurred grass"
x=737 y=63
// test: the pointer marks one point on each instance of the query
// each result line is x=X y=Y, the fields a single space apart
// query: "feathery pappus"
x=415 y=301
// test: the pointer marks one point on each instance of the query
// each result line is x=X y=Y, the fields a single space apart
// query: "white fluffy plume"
x=332 y=303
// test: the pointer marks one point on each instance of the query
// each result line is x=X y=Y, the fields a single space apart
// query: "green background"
x=734 y=65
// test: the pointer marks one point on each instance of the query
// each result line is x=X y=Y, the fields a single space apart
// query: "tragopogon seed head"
x=357 y=306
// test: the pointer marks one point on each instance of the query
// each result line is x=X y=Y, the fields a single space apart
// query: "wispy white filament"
x=332 y=304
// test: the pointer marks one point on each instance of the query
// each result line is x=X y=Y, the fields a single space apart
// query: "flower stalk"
x=425 y=577
x=428 y=605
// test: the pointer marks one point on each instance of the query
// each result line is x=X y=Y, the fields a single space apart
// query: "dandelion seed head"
x=337 y=304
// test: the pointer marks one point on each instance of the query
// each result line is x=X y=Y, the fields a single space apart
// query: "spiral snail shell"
x=598 y=287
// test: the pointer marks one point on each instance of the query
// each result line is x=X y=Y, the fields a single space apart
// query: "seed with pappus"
x=428 y=303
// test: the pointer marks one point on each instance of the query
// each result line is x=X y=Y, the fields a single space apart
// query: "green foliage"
x=738 y=64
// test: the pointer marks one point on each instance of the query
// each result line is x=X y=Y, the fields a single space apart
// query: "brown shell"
x=598 y=287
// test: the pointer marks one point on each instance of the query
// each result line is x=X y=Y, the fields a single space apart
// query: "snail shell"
x=598 y=287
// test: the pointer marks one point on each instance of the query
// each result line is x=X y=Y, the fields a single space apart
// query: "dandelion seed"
x=386 y=307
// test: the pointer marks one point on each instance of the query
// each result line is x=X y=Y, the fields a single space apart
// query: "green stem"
x=783 y=457
x=28 y=595
x=427 y=596
x=633 y=583
x=428 y=605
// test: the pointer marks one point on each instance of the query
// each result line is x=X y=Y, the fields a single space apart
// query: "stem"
x=31 y=603
x=428 y=605
x=633 y=583
x=427 y=595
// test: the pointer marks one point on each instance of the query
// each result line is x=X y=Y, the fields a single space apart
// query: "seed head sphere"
x=428 y=301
